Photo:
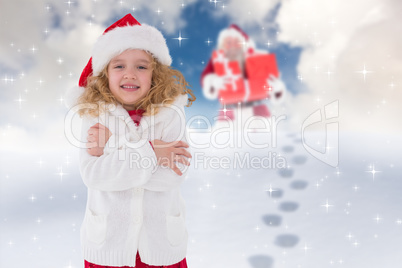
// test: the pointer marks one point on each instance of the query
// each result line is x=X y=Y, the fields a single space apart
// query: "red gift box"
x=259 y=67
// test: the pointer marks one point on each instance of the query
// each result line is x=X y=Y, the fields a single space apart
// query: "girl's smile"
x=130 y=76
x=129 y=88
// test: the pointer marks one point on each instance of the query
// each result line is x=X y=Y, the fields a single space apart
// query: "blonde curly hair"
x=167 y=83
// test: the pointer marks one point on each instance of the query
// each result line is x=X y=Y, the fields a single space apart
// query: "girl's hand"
x=98 y=135
x=167 y=153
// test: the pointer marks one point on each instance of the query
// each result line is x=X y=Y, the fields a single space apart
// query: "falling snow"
x=305 y=215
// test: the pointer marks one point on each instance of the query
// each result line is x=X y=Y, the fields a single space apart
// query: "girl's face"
x=130 y=76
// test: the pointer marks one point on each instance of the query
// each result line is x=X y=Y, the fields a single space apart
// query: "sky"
x=326 y=51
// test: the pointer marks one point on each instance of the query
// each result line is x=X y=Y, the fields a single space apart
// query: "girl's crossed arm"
x=115 y=171
x=166 y=153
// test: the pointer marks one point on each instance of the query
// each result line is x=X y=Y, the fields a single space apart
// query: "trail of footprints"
x=275 y=220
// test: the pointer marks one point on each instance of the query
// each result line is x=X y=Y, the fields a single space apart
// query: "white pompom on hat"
x=126 y=33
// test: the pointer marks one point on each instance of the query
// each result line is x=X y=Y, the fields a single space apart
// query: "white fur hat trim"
x=116 y=41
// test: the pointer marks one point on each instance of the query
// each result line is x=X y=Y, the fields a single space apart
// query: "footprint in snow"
x=276 y=193
x=298 y=185
x=288 y=148
x=286 y=172
x=288 y=206
x=272 y=219
x=286 y=240
x=299 y=159
x=261 y=261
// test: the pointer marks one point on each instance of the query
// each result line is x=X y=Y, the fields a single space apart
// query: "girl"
x=133 y=112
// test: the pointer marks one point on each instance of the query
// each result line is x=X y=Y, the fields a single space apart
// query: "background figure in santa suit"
x=237 y=48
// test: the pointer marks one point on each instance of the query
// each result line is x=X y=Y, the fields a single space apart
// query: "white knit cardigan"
x=133 y=203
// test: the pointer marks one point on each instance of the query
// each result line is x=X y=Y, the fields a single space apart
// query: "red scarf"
x=136 y=115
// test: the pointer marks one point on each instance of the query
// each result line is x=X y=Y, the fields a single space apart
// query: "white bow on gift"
x=229 y=77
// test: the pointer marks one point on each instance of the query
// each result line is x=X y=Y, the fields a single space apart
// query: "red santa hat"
x=126 y=33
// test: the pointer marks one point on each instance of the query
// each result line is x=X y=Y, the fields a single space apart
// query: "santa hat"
x=235 y=31
x=126 y=33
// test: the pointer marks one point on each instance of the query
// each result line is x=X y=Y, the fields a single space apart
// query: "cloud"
x=255 y=17
x=340 y=42
x=250 y=13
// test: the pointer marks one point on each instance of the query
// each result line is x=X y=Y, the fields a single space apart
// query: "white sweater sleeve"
x=173 y=129
x=118 y=170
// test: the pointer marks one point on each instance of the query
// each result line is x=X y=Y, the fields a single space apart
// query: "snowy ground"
x=233 y=219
